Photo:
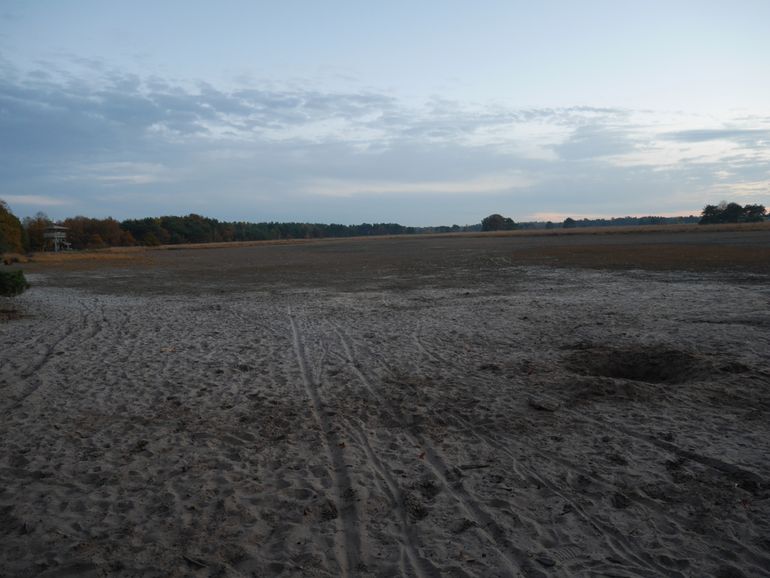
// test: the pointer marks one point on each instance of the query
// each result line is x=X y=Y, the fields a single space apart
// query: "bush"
x=12 y=283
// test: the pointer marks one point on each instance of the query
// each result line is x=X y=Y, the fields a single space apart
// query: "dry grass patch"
x=87 y=260
x=70 y=256
x=11 y=258
x=660 y=257
x=630 y=230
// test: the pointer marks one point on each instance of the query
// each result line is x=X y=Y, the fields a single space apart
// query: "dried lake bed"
x=593 y=405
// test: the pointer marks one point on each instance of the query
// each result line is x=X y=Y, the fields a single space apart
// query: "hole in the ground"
x=641 y=363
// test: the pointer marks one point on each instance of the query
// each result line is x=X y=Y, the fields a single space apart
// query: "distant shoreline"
x=114 y=252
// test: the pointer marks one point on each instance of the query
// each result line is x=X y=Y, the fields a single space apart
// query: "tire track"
x=348 y=549
x=409 y=557
x=422 y=568
x=91 y=328
x=424 y=350
x=514 y=558
x=726 y=468
x=615 y=541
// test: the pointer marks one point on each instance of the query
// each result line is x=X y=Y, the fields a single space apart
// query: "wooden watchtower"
x=57 y=235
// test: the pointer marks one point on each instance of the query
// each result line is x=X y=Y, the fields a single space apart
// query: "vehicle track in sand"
x=88 y=324
x=514 y=559
x=625 y=550
x=408 y=538
x=622 y=547
x=348 y=536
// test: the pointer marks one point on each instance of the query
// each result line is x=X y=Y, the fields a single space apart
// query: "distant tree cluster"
x=726 y=212
x=497 y=222
x=83 y=233
x=88 y=233
x=197 y=229
x=448 y=229
x=570 y=223
x=35 y=228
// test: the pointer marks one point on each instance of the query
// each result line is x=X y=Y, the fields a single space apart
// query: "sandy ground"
x=455 y=407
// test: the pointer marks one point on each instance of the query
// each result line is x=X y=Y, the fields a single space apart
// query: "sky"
x=422 y=113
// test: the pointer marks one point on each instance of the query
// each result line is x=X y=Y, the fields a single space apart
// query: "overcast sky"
x=423 y=113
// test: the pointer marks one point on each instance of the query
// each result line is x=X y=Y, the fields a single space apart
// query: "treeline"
x=570 y=223
x=197 y=229
x=83 y=233
x=629 y=221
x=726 y=212
x=88 y=233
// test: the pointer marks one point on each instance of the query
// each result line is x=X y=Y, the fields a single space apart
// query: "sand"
x=376 y=409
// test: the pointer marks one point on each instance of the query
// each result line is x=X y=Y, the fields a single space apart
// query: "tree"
x=127 y=239
x=87 y=233
x=726 y=212
x=11 y=237
x=709 y=215
x=35 y=227
x=497 y=222
x=569 y=223
x=731 y=213
x=150 y=240
x=754 y=213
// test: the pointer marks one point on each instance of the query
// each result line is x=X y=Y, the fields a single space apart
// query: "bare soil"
x=582 y=405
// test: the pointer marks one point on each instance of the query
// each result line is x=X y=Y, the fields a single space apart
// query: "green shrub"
x=12 y=283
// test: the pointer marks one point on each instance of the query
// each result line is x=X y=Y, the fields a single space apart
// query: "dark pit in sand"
x=654 y=364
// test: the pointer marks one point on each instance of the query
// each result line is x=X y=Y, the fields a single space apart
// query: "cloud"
x=35 y=200
x=734 y=134
x=131 y=146
x=593 y=141
x=488 y=184
x=119 y=173
x=48 y=110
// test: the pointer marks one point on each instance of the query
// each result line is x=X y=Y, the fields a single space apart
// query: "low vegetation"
x=12 y=283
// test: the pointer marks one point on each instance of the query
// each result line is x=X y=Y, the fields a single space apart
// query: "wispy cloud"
x=729 y=134
x=488 y=184
x=36 y=200
x=119 y=173
x=594 y=141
